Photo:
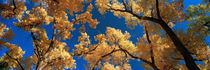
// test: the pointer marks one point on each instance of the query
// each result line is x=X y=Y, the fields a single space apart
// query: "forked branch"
x=151 y=47
x=139 y=58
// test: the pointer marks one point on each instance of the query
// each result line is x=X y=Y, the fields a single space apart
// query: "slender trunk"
x=191 y=65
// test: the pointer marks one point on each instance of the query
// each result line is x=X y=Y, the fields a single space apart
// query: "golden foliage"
x=113 y=50
x=15 y=53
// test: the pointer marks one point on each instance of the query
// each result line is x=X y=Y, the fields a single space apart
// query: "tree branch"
x=125 y=5
x=16 y=61
x=126 y=55
x=14 y=6
x=37 y=50
x=136 y=15
x=191 y=65
x=193 y=59
x=135 y=57
x=51 y=44
x=104 y=56
x=53 y=37
x=151 y=47
x=86 y=52
x=157 y=9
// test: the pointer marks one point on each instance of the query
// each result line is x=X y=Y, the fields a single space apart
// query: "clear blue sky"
x=24 y=39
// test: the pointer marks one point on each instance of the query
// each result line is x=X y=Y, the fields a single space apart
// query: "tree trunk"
x=191 y=65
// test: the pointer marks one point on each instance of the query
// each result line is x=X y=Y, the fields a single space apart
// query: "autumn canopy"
x=51 y=26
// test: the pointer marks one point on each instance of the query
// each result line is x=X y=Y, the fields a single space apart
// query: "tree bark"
x=191 y=65
x=177 y=42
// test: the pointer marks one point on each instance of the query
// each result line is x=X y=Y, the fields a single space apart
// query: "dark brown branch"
x=151 y=47
x=148 y=62
x=157 y=9
x=131 y=7
x=37 y=64
x=16 y=61
x=36 y=54
x=89 y=52
x=136 y=15
x=147 y=35
x=104 y=56
x=14 y=7
x=126 y=55
x=135 y=57
x=37 y=50
x=125 y=5
x=51 y=44
x=191 y=65
x=193 y=59
x=34 y=39
x=53 y=37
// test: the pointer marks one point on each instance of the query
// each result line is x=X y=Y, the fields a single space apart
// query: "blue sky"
x=24 y=39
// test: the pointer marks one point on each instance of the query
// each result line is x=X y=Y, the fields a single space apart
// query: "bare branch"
x=14 y=7
x=125 y=5
x=158 y=10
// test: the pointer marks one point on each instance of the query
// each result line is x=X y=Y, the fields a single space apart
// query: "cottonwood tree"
x=113 y=49
x=147 y=12
x=49 y=53
x=6 y=35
